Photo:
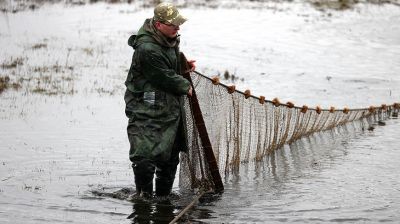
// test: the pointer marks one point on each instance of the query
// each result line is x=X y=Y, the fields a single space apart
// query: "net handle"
x=201 y=127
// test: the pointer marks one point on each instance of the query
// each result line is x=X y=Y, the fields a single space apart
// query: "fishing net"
x=243 y=128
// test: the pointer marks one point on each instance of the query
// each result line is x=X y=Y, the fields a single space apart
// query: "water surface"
x=60 y=147
x=345 y=175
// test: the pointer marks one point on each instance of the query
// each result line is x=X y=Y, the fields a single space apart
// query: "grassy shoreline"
x=14 y=6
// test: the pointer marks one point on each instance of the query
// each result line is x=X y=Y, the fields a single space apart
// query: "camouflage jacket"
x=154 y=96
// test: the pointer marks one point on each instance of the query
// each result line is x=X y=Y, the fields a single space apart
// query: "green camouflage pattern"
x=168 y=13
x=154 y=98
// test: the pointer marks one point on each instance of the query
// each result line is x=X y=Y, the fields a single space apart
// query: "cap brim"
x=179 y=20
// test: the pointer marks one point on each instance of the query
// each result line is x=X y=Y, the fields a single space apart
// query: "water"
x=59 y=149
x=347 y=175
x=54 y=157
x=56 y=154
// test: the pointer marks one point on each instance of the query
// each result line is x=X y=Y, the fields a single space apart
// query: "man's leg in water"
x=143 y=170
x=165 y=173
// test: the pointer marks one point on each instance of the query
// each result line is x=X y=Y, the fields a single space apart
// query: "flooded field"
x=343 y=176
x=63 y=141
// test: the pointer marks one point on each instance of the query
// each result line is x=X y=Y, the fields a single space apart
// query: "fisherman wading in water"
x=154 y=102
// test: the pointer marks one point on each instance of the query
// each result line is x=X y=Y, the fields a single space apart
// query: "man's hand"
x=190 y=92
x=192 y=65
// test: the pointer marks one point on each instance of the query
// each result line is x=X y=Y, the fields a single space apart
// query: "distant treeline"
x=18 y=5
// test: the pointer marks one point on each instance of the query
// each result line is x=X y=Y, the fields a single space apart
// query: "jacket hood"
x=149 y=34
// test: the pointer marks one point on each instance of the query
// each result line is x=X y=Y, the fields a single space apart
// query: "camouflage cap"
x=167 y=12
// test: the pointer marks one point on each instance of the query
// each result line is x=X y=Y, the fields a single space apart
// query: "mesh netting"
x=244 y=128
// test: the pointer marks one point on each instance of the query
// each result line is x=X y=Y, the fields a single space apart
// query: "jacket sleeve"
x=159 y=74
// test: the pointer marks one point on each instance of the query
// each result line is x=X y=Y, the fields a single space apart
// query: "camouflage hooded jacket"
x=154 y=102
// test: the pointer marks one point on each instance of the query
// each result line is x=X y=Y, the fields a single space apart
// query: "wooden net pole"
x=201 y=127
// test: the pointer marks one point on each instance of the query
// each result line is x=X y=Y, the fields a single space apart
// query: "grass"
x=52 y=69
x=31 y=188
x=39 y=90
x=22 y=5
x=347 y=4
x=334 y=4
x=51 y=83
x=232 y=77
x=39 y=46
x=5 y=83
x=13 y=63
x=105 y=91
x=48 y=80
x=88 y=51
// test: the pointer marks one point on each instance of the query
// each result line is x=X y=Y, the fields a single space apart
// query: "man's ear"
x=157 y=24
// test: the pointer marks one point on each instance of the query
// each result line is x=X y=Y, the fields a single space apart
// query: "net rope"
x=244 y=128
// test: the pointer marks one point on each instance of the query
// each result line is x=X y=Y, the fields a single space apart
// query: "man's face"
x=168 y=30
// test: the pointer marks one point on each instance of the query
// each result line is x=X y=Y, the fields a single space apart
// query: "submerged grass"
x=39 y=46
x=12 y=63
x=5 y=83
x=88 y=51
x=45 y=79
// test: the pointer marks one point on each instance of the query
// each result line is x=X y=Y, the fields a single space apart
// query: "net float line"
x=242 y=127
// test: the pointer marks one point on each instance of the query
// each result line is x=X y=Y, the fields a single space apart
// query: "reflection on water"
x=341 y=175
x=157 y=209
x=146 y=212
x=346 y=174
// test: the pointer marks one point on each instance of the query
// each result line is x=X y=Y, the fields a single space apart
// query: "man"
x=154 y=101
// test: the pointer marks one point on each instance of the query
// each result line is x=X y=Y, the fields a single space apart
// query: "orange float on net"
x=371 y=109
x=247 y=94
x=384 y=107
x=318 y=110
x=304 y=109
x=290 y=104
x=231 y=89
x=276 y=102
x=262 y=99
x=215 y=80
x=396 y=106
x=332 y=110
x=346 y=110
